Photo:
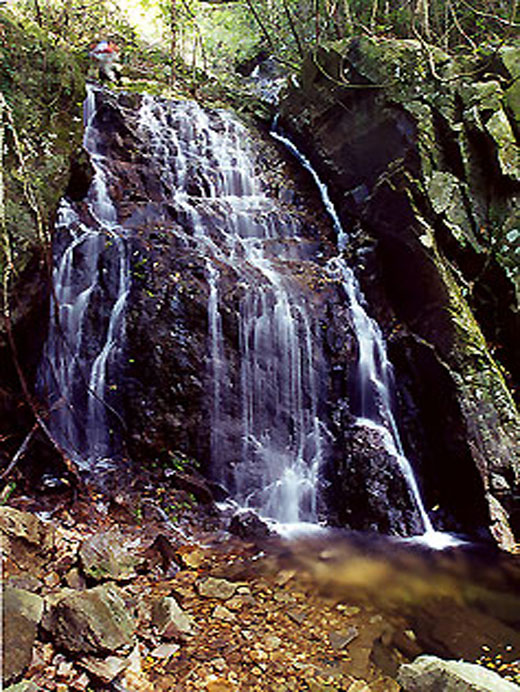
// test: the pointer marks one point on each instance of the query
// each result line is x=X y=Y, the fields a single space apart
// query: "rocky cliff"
x=42 y=87
x=422 y=157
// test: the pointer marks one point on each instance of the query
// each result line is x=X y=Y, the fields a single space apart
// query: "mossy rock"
x=512 y=101
x=500 y=130
x=510 y=57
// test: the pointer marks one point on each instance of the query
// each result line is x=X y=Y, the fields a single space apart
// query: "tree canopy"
x=219 y=35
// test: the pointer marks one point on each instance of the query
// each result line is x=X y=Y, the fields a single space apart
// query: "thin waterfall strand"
x=75 y=364
x=374 y=371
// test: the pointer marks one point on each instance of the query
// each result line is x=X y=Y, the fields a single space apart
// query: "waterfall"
x=374 y=378
x=90 y=286
x=206 y=164
x=266 y=373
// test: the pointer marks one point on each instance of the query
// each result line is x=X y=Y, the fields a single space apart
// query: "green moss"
x=43 y=85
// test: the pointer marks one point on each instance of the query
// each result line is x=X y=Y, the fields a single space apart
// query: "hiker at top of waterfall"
x=105 y=54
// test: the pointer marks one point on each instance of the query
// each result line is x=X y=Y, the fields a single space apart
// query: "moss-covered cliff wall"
x=42 y=87
x=421 y=154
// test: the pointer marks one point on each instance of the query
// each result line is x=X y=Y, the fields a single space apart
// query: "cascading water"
x=278 y=449
x=91 y=282
x=374 y=377
x=267 y=374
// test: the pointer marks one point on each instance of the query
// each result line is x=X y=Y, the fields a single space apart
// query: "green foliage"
x=229 y=33
x=178 y=461
x=43 y=85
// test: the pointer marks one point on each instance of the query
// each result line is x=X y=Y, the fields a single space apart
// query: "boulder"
x=22 y=611
x=30 y=605
x=94 y=621
x=213 y=587
x=24 y=540
x=432 y=674
x=108 y=556
x=105 y=669
x=170 y=619
x=249 y=526
x=371 y=493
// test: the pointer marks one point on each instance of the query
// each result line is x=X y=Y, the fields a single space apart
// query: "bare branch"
x=490 y=15
x=19 y=454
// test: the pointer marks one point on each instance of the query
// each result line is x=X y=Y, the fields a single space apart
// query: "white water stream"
x=281 y=440
x=82 y=342
x=374 y=378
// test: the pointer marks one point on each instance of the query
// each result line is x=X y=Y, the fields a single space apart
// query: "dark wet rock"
x=164 y=373
x=385 y=658
x=107 y=556
x=195 y=484
x=249 y=526
x=25 y=540
x=21 y=613
x=429 y=674
x=163 y=552
x=95 y=621
x=81 y=175
x=366 y=644
x=370 y=492
x=452 y=631
x=406 y=642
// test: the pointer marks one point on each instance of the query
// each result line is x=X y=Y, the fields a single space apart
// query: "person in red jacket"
x=105 y=55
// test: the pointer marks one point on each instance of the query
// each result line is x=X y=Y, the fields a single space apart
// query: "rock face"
x=215 y=318
x=215 y=322
x=424 y=168
x=371 y=492
x=429 y=674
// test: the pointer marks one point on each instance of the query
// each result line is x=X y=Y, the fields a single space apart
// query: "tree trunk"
x=38 y=12
x=373 y=15
x=173 y=48
x=422 y=11
x=349 y=27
